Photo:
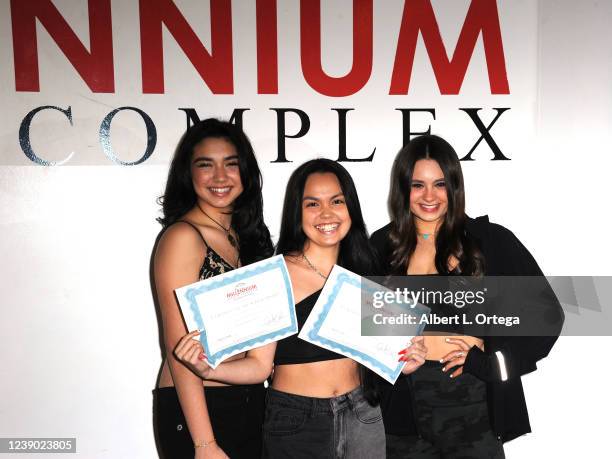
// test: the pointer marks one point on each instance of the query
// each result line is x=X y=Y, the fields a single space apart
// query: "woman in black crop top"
x=467 y=399
x=212 y=222
x=319 y=404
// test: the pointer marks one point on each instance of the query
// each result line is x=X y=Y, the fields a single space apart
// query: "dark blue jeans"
x=300 y=427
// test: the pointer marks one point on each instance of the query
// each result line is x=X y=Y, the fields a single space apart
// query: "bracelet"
x=204 y=444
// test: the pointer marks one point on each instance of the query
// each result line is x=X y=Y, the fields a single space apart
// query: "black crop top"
x=292 y=350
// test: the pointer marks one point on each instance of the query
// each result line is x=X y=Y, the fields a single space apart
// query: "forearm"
x=190 y=391
x=514 y=358
x=249 y=370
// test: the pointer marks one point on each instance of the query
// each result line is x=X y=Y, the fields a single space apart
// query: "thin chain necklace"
x=313 y=267
x=230 y=237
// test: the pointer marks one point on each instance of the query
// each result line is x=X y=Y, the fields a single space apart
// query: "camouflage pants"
x=451 y=417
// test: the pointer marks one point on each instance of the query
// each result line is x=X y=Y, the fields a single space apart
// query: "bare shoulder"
x=303 y=281
x=182 y=241
x=294 y=266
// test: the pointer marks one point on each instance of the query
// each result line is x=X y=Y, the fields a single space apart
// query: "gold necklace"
x=230 y=237
x=313 y=267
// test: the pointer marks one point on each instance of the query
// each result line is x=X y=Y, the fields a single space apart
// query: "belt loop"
x=333 y=405
x=313 y=407
x=349 y=400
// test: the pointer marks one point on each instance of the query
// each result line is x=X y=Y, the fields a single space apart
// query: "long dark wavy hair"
x=452 y=239
x=247 y=213
x=355 y=251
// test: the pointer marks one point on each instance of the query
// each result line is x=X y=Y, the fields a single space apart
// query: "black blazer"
x=504 y=256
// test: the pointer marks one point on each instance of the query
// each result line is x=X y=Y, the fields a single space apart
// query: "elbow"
x=561 y=318
x=169 y=350
x=264 y=373
x=261 y=372
x=554 y=321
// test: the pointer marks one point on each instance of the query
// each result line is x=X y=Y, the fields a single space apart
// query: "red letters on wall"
x=215 y=66
x=95 y=66
x=419 y=16
x=310 y=47
x=267 y=47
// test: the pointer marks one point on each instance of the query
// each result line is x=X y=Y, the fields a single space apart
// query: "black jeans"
x=300 y=427
x=236 y=415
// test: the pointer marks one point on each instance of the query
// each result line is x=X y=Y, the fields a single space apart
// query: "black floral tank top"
x=214 y=264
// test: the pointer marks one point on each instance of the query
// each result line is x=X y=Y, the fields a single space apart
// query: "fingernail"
x=443 y=368
x=403 y=351
x=441 y=360
x=447 y=340
x=451 y=376
x=201 y=356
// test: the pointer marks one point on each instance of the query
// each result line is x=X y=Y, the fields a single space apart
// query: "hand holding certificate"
x=335 y=324
x=240 y=310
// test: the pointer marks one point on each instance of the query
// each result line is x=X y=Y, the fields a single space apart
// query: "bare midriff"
x=165 y=378
x=326 y=379
x=437 y=347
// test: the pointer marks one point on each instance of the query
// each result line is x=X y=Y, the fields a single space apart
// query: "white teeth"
x=327 y=227
x=220 y=190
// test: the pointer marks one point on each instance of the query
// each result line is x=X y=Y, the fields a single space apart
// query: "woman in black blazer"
x=468 y=398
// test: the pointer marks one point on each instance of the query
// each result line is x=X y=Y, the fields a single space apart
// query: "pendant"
x=425 y=235
x=231 y=239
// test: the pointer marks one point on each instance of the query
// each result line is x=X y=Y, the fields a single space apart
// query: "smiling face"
x=428 y=197
x=325 y=215
x=215 y=173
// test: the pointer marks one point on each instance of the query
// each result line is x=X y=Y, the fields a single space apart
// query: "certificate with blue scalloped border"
x=242 y=309
x=335 y=324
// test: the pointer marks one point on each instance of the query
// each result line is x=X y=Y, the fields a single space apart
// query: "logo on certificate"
x=241 y=290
